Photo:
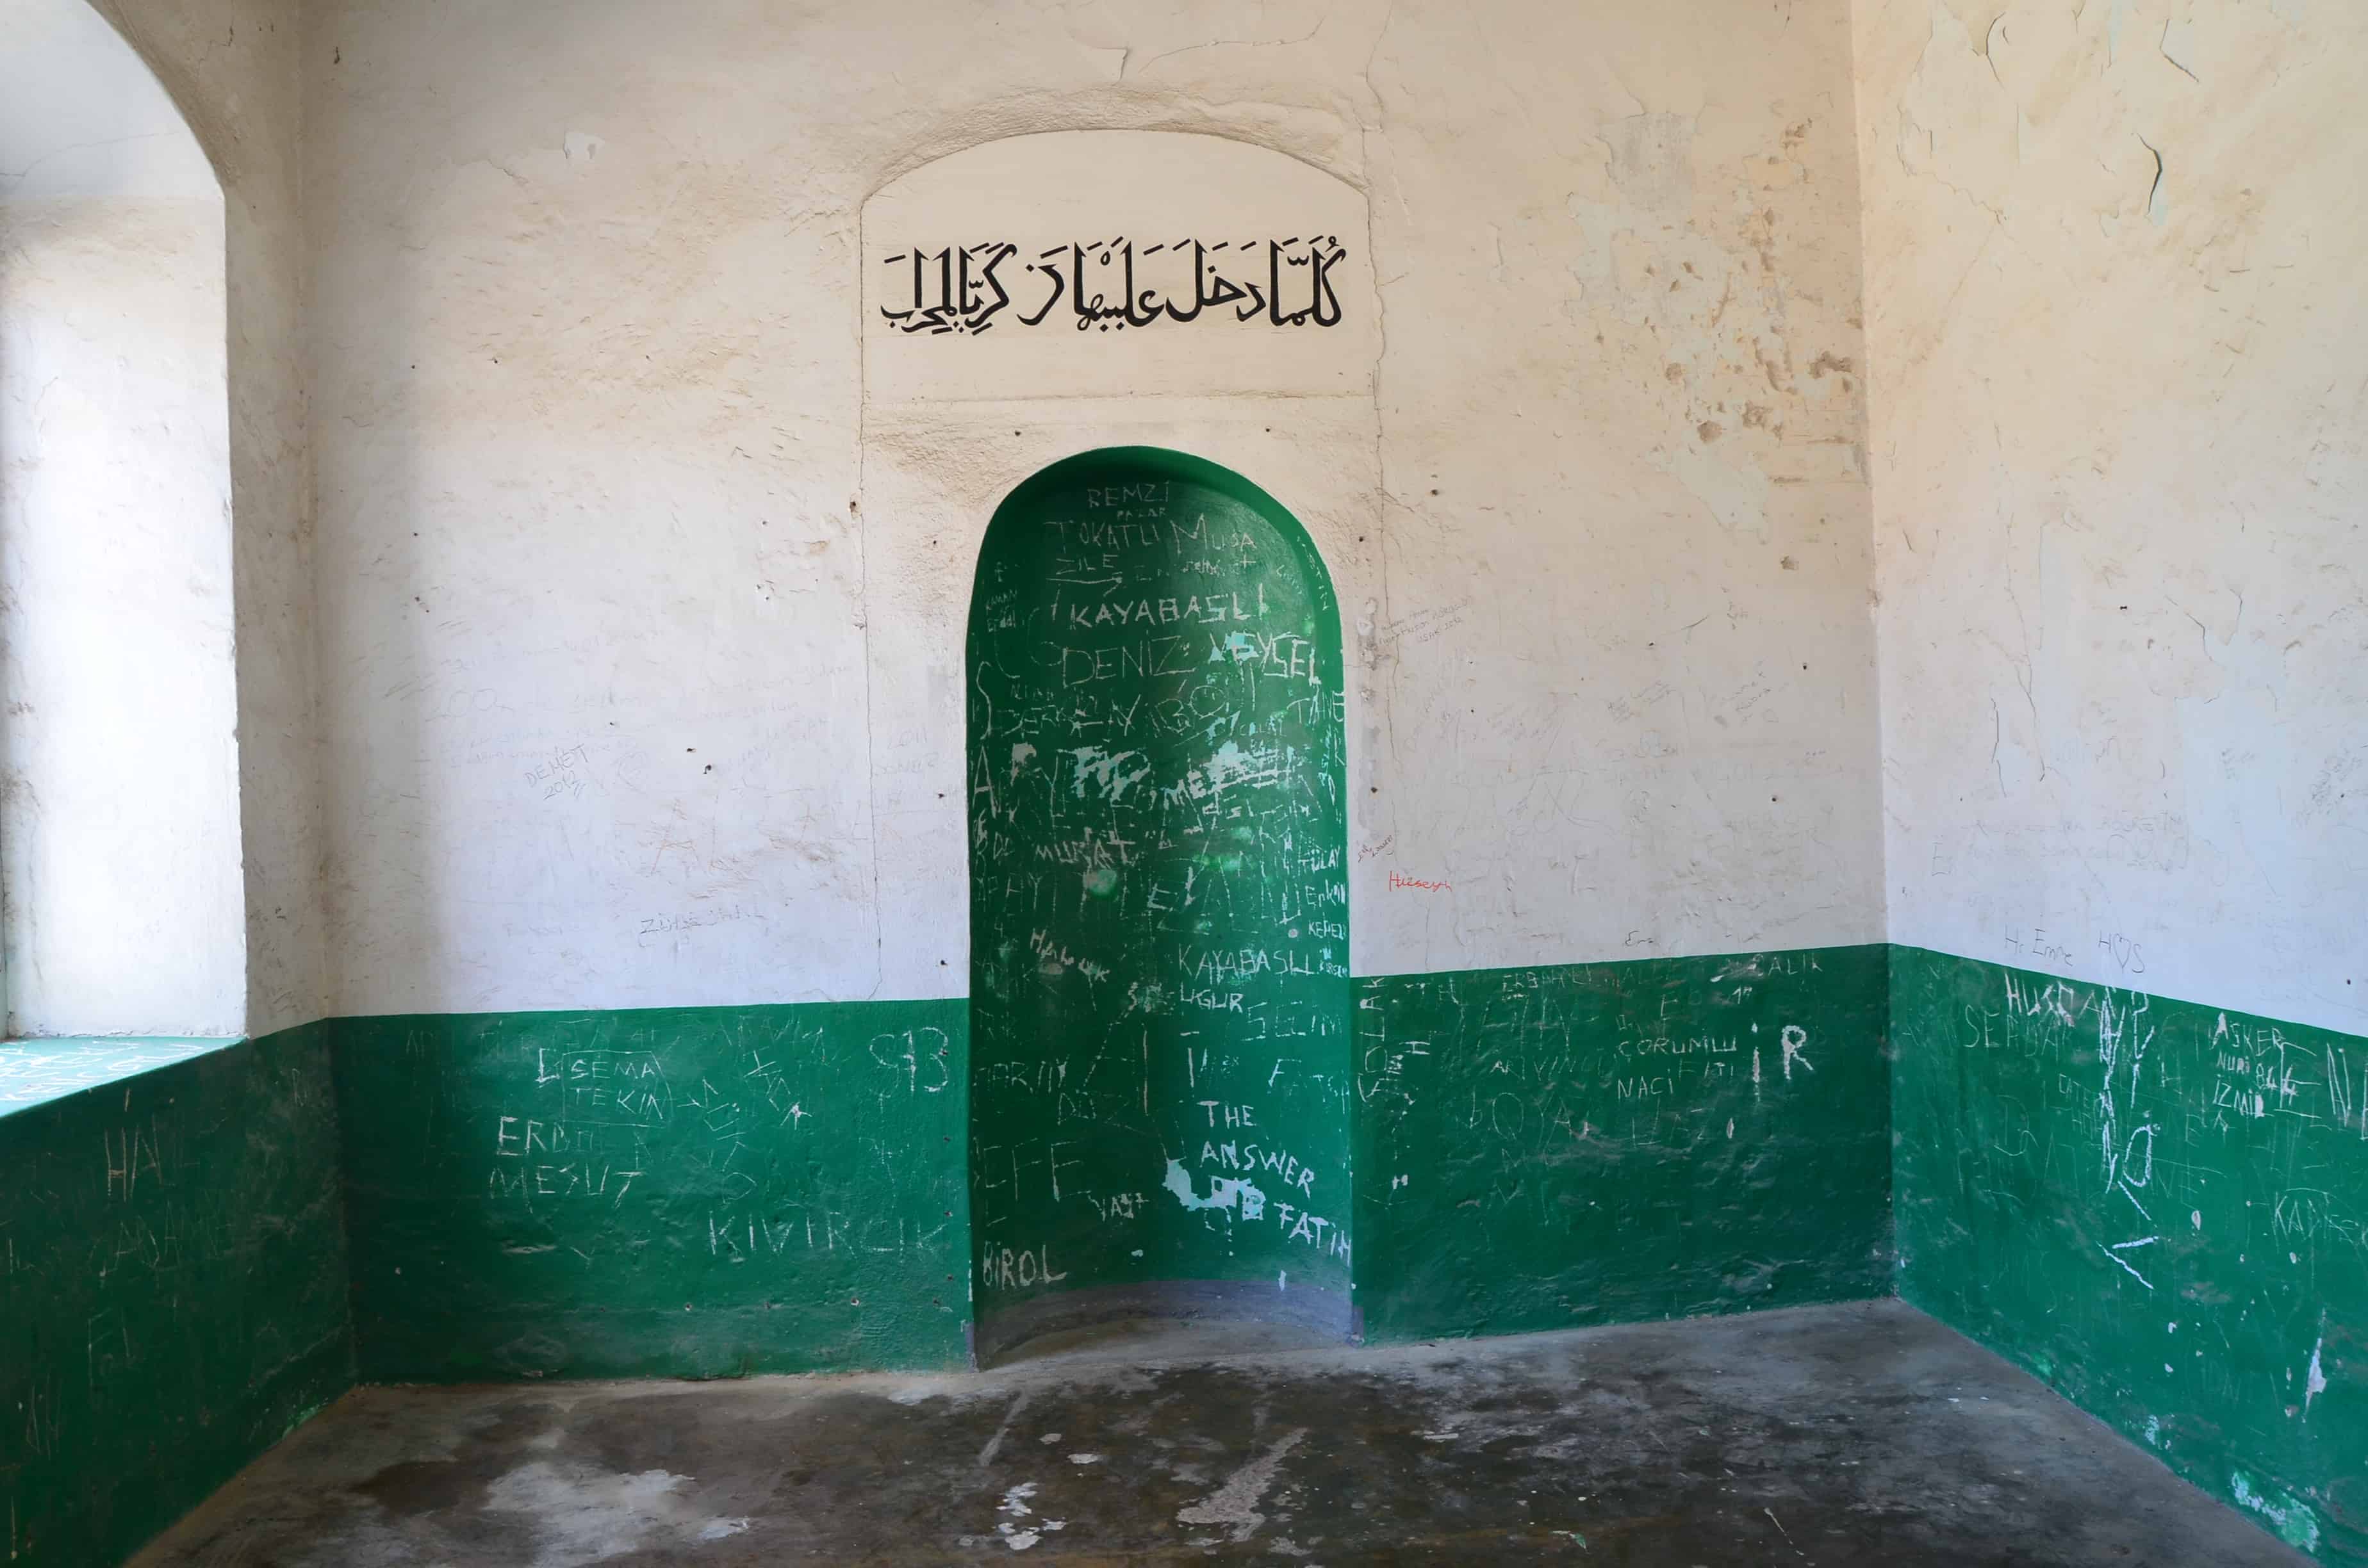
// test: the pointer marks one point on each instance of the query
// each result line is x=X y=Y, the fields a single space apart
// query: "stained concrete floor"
x=1833 y=1436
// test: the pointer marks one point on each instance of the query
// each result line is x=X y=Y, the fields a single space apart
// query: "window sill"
x=35 y=1072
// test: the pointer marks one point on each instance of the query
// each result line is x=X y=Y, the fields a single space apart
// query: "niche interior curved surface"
x=1159 y=916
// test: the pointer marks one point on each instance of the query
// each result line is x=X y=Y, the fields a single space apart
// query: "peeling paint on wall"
x=2120 y=422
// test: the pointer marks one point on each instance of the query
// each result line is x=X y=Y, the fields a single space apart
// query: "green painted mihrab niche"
x=1159 y=909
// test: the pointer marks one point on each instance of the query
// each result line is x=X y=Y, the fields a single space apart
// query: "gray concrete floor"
x=1861 y=1433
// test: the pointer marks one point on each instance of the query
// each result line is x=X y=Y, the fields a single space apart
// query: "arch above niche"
x=1075 y=263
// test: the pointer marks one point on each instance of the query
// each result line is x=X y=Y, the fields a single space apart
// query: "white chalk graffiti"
x=1107 y=772
x=2120 y=1151
x=1224 y=1192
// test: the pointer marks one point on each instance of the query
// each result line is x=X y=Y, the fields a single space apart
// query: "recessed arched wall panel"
x=953 y=420
x=1159 y=917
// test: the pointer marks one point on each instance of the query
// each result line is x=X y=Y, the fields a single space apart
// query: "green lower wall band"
x=2155 y=1205
x=718 y=1191
x=172 y=1291
x=2161 y=1209
x=1541 y=1148
x=676 y=1192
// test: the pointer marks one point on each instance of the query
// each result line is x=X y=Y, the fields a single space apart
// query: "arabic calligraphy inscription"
x=1114 y=284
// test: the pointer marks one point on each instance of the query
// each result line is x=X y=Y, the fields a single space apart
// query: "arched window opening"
x=120 y=903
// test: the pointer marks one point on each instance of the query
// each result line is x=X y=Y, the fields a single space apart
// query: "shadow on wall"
x=1159 y=974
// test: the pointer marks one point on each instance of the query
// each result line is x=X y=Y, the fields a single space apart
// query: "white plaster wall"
x=2121 y=437
x=1623 y=644
x=598 y=514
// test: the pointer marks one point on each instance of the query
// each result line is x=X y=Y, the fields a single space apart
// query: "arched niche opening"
x=1159 y=916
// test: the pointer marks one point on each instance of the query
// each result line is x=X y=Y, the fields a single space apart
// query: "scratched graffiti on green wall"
x=1584 y=1143
x=2155 y=1207
x=662 y=1192
x=173 y=1286
x=1158 y=897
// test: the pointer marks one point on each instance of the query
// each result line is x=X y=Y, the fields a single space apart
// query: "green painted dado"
x=1540 y=1148
x=676 y=1192
x=172 y=1281
x=2160 y=1209
x=1159 y=911
x=2155 y=1205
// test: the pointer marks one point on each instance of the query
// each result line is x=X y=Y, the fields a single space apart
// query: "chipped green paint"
x=172 y=1281
x=669 y=1192
x=2290 y=1518
x=1587 y=1143
x=2160 y=1209
x=1158 y=901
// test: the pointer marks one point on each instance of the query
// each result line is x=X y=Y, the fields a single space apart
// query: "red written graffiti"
x=1418 y=883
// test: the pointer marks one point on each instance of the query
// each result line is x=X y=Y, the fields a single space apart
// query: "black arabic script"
x=1112 y=285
